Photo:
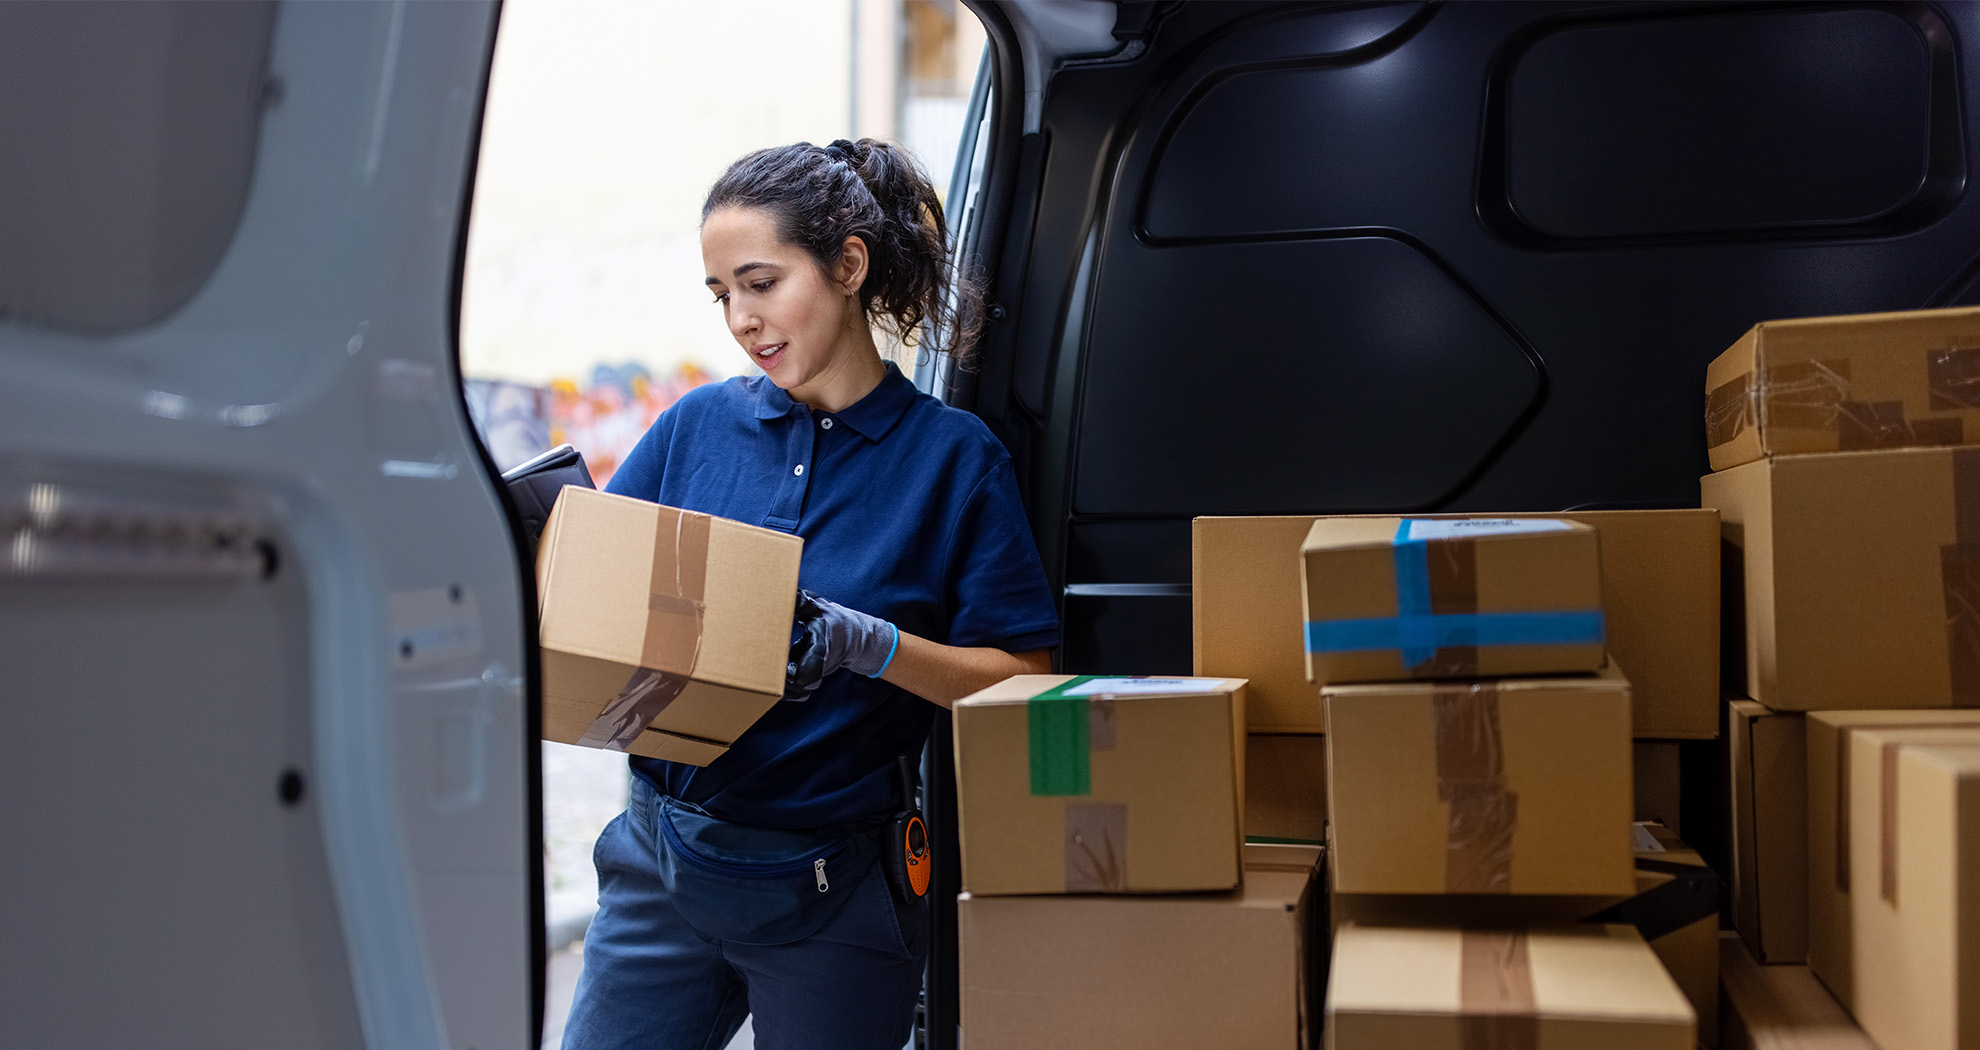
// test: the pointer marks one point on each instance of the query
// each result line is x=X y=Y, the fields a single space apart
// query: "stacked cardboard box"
x=1660 y=595
x=1851 y=511
x=1479 y=768
x=1108 y=895
x=1131 y=970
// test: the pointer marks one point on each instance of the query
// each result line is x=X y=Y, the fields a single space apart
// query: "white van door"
x=265 y=742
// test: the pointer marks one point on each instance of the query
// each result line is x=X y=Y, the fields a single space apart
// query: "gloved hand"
x=831 y=636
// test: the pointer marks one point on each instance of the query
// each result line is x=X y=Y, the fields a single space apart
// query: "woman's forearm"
x=943 y=674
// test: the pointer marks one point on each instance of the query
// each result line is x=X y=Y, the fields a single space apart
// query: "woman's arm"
x=943 y=674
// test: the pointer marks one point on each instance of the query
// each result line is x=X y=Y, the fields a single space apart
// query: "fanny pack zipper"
x=814 y=864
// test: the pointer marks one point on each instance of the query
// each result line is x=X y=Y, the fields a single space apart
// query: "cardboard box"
x=1517 y=786
x=1085 y=784
x=1660 y=595
x=1153 y=973
x=1769 y=777
x=1780 y=1007
x=1914 y=866
x=1830 y=781
x=1836 y=384
x=1837 y=762
x=1690 y=953
x=664 y=632
x=1285 y=788
x=1862 y=571
x=1245 y=613
x=1390 y=598
x=1430 y=988
x=1657 y=767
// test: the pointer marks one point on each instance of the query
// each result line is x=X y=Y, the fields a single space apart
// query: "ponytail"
x=820 y=195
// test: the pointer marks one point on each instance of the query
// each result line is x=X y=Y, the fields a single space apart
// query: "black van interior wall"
x=1304 y=259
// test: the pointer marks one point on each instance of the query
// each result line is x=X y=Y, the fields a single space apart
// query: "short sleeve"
x=640 y=475
x=997 y=589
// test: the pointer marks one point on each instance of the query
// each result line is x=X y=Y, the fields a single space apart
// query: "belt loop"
x=640 y=802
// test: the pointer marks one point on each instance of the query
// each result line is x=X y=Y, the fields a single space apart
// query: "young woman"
x=755 y=885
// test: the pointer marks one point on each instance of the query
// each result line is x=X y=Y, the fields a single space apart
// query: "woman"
x=753 y=886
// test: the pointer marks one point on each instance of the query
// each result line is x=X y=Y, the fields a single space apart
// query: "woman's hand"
x=831 y=637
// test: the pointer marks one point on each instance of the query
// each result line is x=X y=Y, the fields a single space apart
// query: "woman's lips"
x=766 y=354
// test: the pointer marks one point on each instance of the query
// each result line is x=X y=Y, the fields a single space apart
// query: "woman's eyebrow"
x=740 y=270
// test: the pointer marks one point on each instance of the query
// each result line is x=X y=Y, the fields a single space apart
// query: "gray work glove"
x=830 y=636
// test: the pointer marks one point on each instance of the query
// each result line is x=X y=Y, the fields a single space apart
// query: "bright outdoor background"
x=584 y=314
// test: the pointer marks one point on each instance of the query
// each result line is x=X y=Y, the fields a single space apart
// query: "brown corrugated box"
x=1913 y=857
x=1780 y=1007
x=1430 y=988
x=1390 y=598
x=1183 y=972
x=1689 y=953
x=1829 y=780
x=1100 y=784
x=1850 y=755
x=664 y=632
x=1660 y=592
x=1862 y=577
x=1769 y=882
x=1516 y=786
x=1837 y=384
x=1285 y=787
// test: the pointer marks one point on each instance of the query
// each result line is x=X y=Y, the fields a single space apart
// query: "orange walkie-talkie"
x=908 y=859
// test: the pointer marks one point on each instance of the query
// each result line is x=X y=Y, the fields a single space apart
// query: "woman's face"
x=796 y=322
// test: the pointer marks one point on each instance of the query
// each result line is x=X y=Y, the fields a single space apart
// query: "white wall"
x=606 y=122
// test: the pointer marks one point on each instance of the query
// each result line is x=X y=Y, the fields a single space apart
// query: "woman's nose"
x=741 y=322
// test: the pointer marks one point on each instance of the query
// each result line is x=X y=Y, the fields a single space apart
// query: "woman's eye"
x=721 y=297
x=762 y=286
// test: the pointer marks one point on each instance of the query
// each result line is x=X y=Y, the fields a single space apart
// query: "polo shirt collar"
x=871 y=416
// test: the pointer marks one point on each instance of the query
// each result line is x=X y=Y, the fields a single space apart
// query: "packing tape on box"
x=1065 y=727
x=1478 y=834
x=1438 y=627
x=1796 y=395
x=1887 y=819
x=1843 y=785
x=1952 y=378
x=1096 y=847
x=1495 y=992
x=1814 y=395
x=671 y=647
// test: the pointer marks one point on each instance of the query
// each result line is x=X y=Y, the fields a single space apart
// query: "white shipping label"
x=1420 y=529
x=1143 y=686
x=1646 y=842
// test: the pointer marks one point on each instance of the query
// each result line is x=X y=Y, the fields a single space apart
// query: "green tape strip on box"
x=1061 y=762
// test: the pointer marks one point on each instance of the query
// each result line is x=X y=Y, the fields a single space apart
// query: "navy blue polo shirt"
x=909 y=511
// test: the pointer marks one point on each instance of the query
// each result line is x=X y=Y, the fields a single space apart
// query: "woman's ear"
x=852 y=265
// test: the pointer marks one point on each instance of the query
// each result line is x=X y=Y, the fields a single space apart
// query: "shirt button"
x=799 y=471
x=826 y=422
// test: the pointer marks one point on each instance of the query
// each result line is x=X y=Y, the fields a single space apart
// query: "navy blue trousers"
x=651 y=981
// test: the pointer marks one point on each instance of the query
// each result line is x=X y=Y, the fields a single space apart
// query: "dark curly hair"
x=869 y=189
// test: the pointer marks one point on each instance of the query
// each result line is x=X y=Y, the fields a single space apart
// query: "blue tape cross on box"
x=1438 y=628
